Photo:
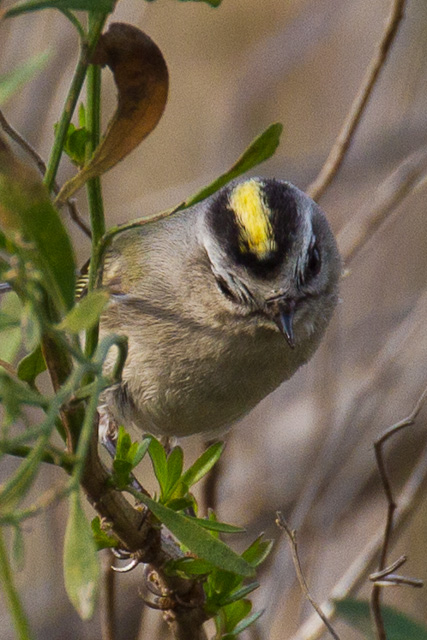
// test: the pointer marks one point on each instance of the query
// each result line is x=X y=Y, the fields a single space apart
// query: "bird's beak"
x=281 y=311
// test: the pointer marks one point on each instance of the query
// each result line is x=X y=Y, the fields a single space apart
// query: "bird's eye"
x=313 y=264
x=224 y=288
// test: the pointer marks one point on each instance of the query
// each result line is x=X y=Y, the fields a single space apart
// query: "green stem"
x=93 y=187
x=17 y=611
x=51 y=455
x=86 y=52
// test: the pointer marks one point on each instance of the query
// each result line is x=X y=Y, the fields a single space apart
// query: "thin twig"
x=391 y=508
x=41 y=165
x=401 y=183
x=292 y=536
x=345 y=136
x=413 y=492
x=385 y=572
x=8 y=367
x=24 y=144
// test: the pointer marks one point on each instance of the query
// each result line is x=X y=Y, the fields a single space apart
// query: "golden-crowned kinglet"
x=221 y=303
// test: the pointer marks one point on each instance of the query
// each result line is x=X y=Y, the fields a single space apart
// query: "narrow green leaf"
x=179 y=504
x=174 y=464
x=397 y=625
x=159 y=462
x=244 y=624
x=13 y=81
x=18 y=485
x=86 y=313
x=31 y=366
x=189 y=567
x=234 y=613
x=81 y=567
x=123 y=444
x=262 y=148
x=199 y=541
x=239 y=594
x=121 y=476
x=138 y=451
x=257 y=552
x=203 y=464
x=26 y=213
x=18 y=548
x=213 y=525
x=104 y=6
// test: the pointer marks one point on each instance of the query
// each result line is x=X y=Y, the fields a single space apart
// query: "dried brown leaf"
x=142 y=80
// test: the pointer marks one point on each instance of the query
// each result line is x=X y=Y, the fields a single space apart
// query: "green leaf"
x=397 y=625
x=179 y=504
x=103 y=540
x=197 y=540
x=234 y=613
x=244 y=624
x=174 y=469
x=189 y=567
x=239 y=594
x=31 y=366
x=123 y=444
x=213 y=525
x=18 y=485
x=18 y=548
x=138 y=451
x=262 y=148
x=258 y=551
x=11 y=82
x=26 y=213
x=86 y=313
x=104 y=6
x=121 y=476
x=203 y=464
x=159 y=462
x=75 y=143
x=81 y=567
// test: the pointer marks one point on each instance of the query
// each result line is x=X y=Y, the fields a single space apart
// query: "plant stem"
x=94 y=192
x=16 y=609
x=96 y=26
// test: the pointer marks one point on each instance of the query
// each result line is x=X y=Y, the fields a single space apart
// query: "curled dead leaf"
x=142 y=80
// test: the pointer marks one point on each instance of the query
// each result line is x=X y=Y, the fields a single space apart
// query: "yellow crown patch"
x=253 y=216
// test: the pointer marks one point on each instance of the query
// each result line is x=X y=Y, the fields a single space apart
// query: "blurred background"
x=308 y=448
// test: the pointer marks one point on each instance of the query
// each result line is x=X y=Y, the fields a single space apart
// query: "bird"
x=221 y=303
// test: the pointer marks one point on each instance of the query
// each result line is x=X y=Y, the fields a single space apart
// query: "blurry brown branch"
x=107 y=601
x=391 y=508
x=41 y=165
x=412 y=493
x=403 y=180
x=345 y=136
x=292 y=537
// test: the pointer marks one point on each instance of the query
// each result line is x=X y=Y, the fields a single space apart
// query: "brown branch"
x=391 y=508
x=292 y=536
x=409 y=175
x=345 y=136
x=107 y=600
x=413 y=492
x=41 y=165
